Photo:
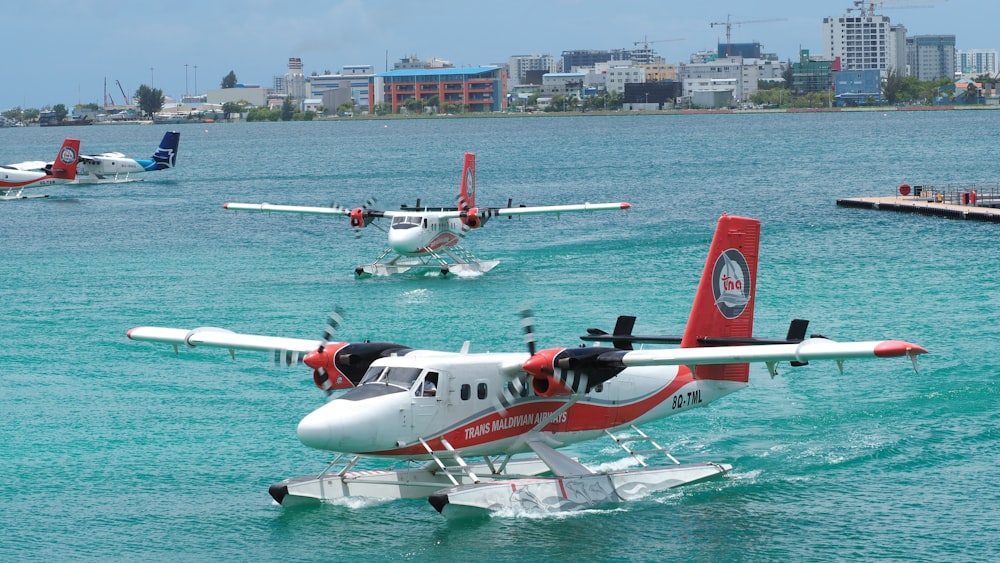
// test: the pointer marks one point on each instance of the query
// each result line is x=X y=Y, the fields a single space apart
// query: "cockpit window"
x=405 y=222
x=399 y=377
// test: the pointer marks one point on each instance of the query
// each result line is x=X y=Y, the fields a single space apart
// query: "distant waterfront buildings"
x=521 y=66
x=977 y=61
x=865 y=42
x=474 y=90
x=931 y=57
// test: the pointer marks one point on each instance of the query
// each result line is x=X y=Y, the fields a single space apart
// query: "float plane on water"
x=443 y=408
x=14 y=178
x=115 y=167
x=428 y=238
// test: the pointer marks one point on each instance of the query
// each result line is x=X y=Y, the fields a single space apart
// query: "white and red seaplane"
x=444 y=408
x=427 y=238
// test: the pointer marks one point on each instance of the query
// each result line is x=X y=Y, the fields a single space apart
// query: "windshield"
x=399 y=377
x=405 y=222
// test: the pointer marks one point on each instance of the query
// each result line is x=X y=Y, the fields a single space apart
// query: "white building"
x=295 y=81
x=736 y=74
x=865 y=42
x=521 y=65
x=351 y=83
x=620 y=73
x=977 y=61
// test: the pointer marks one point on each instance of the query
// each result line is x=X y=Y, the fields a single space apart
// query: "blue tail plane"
x=165 y=155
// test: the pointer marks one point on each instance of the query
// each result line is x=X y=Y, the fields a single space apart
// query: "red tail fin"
x=723 y=305
x=64 y=166
x=467 y=195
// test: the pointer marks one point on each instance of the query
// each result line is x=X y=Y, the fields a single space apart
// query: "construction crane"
x=729 y=28
x=859 y=5
x=645 y=41
x=124 y=95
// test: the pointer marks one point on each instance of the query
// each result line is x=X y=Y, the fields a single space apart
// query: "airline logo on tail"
x=731 y=284
x=166 y=154
x=67 y=156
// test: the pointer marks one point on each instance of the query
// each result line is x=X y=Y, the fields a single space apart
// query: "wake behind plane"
x=425 y=238
x=513 y=410
x=15 y=178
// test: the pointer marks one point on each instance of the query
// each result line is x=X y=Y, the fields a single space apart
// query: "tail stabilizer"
x=467 y=194
x=64 y=165
x=166 y=154
x=724 y=303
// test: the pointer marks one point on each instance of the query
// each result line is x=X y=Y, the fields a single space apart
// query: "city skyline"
x=65 y=53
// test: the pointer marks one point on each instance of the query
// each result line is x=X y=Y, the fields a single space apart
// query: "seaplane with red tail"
x=484 y=429
x=428 y=238
x=14 y=178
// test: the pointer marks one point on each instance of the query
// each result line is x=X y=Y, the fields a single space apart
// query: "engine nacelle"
x=472 y=219
x=358 y=218
x=563 y=371
x=344 y=364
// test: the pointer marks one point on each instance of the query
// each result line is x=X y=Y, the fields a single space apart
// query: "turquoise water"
x=114 y=449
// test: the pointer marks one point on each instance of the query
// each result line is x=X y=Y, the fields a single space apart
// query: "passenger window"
x=481 y=390
x=466 y=391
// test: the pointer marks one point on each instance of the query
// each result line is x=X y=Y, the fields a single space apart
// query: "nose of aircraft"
x=405 y=241
x=343 y=426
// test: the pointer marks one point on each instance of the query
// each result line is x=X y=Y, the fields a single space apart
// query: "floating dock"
x=977 y=203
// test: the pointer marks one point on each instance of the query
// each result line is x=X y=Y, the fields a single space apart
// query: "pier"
x=975 y=202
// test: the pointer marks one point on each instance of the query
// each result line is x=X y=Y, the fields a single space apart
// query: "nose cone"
x=406 y=241
x=356 y=427
x=314 y=430
x=540 y=365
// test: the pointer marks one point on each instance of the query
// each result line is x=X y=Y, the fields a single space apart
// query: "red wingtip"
x=129 y=333
x=626 y=205
x=225 y=206
x=894 y=348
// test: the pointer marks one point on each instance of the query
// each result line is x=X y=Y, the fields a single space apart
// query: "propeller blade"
x=333 y=323
x=528 y=326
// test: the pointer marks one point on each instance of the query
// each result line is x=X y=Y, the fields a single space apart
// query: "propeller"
x=362 y=216
x=319 y=359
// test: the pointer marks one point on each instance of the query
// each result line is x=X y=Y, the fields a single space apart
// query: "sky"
x=63 y=51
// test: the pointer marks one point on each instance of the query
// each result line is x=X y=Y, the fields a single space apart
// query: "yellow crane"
x=729 y=23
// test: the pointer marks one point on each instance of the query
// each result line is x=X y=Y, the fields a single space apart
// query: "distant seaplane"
x=444 y=408
x=115 y=167
x=15 y=178
x=425 y=238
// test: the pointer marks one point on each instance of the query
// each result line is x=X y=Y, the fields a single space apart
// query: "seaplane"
x=115 y=167
x=425 y=238
x=14 y=178
x=447 y=410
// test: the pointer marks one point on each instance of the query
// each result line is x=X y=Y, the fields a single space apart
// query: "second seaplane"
x=428 y=238
x=508 y=413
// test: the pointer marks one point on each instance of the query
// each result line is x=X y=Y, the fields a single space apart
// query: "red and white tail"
x=467 y=195
x=64 y=166
x=723 y=305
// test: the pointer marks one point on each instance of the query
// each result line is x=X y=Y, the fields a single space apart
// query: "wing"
x=269 y=208
x=30 y=166
x=222 y=338
x=502 y=211
x=809 y=349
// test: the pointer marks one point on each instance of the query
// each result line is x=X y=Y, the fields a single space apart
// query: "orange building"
x=468 y=90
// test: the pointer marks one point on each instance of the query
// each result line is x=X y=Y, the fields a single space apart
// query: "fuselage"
x=16 y=178
x=388 y=414
x=112 y=164
x=423 y=233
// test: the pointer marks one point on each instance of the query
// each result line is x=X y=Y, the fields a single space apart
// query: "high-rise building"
x=521 y=65
x=931 y=57
x=977 y=61
x=295 y=81
x=865 y=42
